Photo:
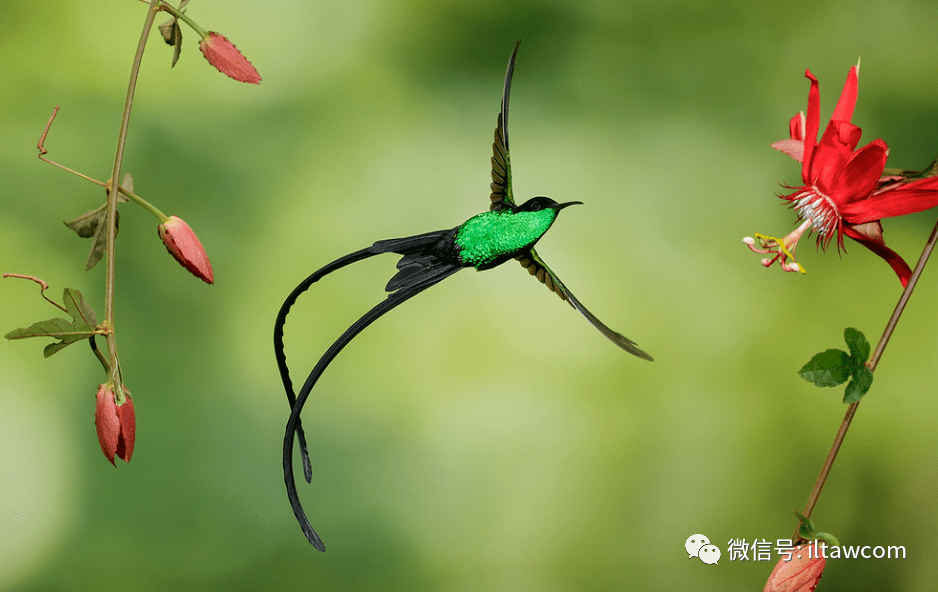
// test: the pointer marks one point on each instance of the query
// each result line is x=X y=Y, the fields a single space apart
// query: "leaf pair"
x=172 y=33
x=82 y=326
x=834 y=366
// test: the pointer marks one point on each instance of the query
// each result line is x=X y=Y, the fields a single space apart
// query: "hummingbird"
x=506 y=231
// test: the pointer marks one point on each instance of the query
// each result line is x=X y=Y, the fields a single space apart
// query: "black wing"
x=501 y=164
x=502 y=197
x=534 y=264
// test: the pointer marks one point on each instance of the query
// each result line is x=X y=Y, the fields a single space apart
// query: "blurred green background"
x=484 y=436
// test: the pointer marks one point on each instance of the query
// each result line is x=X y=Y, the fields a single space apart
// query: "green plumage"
x=489 y=238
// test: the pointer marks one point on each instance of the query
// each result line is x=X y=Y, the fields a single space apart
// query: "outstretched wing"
x=534 y=264
x=501 y=163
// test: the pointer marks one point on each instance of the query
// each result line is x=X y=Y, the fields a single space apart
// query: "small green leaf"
x=859 y=346
x=828 y=368
x=93 y=224
x=807 y=532
x=82 y=325
x=99 y=244
x=172 y=34
x=828 y=538
x=87 y=224
x=805 y=528
x=859 y=385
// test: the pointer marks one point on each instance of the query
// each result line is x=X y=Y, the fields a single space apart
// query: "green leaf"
x=87 y=224
x=859 y=346
x=807 y=532
x=99 y=244
x=82 y=325
x=172 y=34
x=93 y=224
x=828 y=368
x=859 y=385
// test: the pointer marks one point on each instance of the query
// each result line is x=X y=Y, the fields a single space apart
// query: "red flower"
x=799 y=572
x=226 y=58
x=844 y=191
x=184 y=245
x=115 y=423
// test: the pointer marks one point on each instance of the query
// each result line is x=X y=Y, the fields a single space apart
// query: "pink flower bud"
x=115 y=423
x=226 y=58
x=184 y=245
x=801 y=573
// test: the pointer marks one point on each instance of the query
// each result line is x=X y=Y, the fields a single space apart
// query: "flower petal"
x=898 y=200
x=128 y=428
x=106 y=421
x=859 y=178
x=793 y=148
x=796 y=126
x=799 y=573
x=185 y=247
x=226 y=58
x=833 y=153
x=812 y=123
x=848 y=98
x=870 y=235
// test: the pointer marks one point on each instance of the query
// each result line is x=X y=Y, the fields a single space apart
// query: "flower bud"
x=226 y=58
x=184 y=245
x=800 y=573
x=115 y=423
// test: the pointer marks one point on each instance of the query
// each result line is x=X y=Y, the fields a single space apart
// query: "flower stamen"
x=782 y=250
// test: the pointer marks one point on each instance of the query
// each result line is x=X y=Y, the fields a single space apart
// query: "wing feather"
x=536 y=266
x=501 y=196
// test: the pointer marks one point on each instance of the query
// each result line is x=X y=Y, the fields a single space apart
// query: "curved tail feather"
x=394 y=299
x=278 y=339
x=411 y=246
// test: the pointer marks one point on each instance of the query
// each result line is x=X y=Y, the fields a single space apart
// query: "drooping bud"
x=799 y=573
x=226 y=58
x=116 y=424
x=184 y=245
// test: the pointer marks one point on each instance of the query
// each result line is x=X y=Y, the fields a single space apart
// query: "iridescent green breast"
x=493 y=237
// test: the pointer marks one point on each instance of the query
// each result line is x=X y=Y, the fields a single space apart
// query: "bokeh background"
x=484 y=436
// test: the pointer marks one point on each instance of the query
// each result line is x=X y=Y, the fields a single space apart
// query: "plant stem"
x=144 y=204
x=114 y=189
x=874 y=360
x=129 y=194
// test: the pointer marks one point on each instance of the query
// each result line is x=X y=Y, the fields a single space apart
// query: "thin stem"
x=99 y=355
x=43 y=286
x=144 y=204
x=112 y=194
x=127 y=193
x=874 y=360
x=43 y=151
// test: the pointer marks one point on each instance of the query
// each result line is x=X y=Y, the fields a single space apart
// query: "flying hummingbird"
x=506 y=231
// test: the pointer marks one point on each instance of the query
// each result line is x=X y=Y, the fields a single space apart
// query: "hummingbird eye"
x=535 y=206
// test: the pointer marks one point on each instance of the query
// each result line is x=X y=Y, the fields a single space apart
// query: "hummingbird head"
x=540 y=202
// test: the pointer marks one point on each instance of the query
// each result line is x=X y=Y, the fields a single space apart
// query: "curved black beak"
x=561 y=206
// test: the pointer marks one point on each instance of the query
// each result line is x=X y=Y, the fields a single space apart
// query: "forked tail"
x=419 y=269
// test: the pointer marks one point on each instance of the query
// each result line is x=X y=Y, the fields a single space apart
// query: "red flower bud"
x=226 y=58
x=801 y=573
x=184 y=245
x=115 y=423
